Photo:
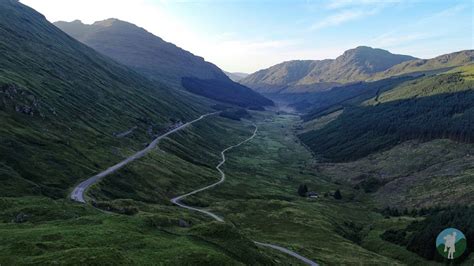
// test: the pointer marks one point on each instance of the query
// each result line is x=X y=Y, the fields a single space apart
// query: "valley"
x=118 y=147
x=258 y=200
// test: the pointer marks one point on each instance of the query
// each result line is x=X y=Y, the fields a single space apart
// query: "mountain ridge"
x=152 y=56
x=359 y=64
x=61 y=102
x=159 y=60
x=353 y=65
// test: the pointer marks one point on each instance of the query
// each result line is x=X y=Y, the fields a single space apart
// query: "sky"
x=245 y=36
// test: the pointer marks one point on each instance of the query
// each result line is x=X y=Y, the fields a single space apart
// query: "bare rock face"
x=21 y=218
x=183 y=223
x=13 y=97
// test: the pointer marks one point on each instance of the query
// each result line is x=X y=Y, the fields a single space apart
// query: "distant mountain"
x=440 y=63
x=315 y=75
x=236 y=76
x=236 y=94
x=155 y=58
x=61 y=103
x=135 y=47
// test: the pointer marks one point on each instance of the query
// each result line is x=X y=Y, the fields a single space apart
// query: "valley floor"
x=259 y=201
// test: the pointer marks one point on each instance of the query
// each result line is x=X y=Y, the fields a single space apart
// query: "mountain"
x=157 y=59
x=135 y=47
x=426 y=108
x=235 y=93
x=236 y=76
x=315 y=75
x=420 y=66
x=61 y=104
x=405 y=144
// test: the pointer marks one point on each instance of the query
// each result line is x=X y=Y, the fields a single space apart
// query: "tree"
x=302 y=190
x=338 y=195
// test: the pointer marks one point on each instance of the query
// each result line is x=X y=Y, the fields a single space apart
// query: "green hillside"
x=427 y=108
x=315 y=104
x=437 y=64
x=61 y=104
x=141 y=50
x=161 y=61
x=355 y=65
x=223 y=91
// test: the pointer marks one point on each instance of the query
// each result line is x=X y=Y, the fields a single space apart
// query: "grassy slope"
x=258 y=201
x=427 y=108
x=61 y=103
x=259 y=198
x=435 y=65
x=413 y=174
x=66 y=233
x=456 y=80
x=142 y=51
x=161 y=61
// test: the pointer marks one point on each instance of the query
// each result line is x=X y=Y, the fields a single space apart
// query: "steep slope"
x=141 y=50
x=427 y=108
x=234 y=92
x=314 y=104
x=159 y=60
x=314 y=75
x=61 y=103
x=236 y=76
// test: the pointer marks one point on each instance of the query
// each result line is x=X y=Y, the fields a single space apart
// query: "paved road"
x=176 y=201
x=79 y=191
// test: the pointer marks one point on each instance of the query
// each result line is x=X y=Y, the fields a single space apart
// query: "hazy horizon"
x=270 y=34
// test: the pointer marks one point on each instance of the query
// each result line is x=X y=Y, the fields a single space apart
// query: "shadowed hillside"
x=429 y=108
x=61 y=104
x=159 y=60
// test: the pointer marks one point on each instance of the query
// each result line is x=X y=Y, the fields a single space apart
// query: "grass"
x=413 y=174
x=67 y=233
x=320 y=122
x=456 y=80
x=61 y=103
x=259 y=197
x=258 y=201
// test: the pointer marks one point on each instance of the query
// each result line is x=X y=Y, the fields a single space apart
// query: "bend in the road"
x=78 y=194
x=176 y=201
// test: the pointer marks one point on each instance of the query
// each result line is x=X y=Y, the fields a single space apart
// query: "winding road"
x=78 y=193
x=176 y=201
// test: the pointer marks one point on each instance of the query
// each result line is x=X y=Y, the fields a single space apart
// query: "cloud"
x=416 y=31
x=342 y=17
x=338 y=4
x=396 y=38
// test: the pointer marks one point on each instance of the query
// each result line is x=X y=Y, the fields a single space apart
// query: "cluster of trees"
x=396 y=212
x=362 y=130
x=302 y=190
x=328 y=101
x=420 y=236
x=225 y=91
x=235 y=114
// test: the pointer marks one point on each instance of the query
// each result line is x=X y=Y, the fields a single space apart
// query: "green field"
x=258 y=201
